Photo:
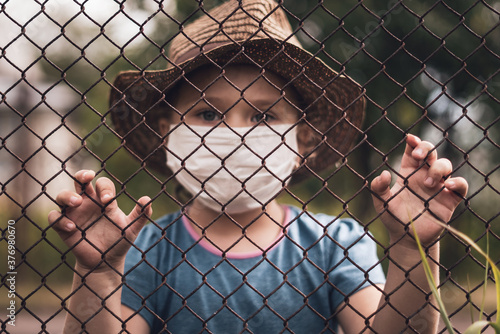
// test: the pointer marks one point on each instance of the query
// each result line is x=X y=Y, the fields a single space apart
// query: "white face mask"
x=238 y=168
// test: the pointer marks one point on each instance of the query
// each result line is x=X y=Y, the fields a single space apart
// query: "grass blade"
x=486 y=267
x=476 y=327
x=432 y=284
x=494 y=268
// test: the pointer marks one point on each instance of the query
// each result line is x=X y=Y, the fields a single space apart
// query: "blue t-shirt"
x=180 y=283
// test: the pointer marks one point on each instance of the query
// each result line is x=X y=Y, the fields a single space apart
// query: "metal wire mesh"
x=430 y=68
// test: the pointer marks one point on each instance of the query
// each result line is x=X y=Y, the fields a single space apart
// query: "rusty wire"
x=459 y=113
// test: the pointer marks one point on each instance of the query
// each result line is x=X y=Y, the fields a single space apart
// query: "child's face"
x=241 y=97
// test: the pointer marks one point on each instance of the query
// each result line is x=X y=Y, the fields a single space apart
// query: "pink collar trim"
x=232 y=255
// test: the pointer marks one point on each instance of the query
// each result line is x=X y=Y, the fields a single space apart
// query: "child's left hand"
x=426 y=198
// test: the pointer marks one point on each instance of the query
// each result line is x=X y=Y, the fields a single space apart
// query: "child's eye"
x=262 y=118
x=209 y=115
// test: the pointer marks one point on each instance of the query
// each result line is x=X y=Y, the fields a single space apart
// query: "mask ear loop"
x=297 y=164
x=298 y=156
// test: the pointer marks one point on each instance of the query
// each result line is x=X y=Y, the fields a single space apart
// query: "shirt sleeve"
x=355 y=264
x=141 y=278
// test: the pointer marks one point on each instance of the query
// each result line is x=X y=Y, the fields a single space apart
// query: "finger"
x=437 y=171
x=139 y=216
x=380 y=184
x=60 y=223
x=424 y=150
x=408 y=160
x=84 y=177
x=458 y=185
x=381 y=189
x=105 y=189
x=411 y=142
x=69 y=198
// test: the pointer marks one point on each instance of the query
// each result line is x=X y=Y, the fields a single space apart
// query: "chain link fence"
x=430 y=68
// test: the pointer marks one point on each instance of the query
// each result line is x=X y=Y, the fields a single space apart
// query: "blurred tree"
x=428 y=67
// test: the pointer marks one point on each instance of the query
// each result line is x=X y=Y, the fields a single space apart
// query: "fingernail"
x=73 y=200
x=450 y=184
x=106 y=197
x=418 y=152
x=70 y=226
x=429 y=182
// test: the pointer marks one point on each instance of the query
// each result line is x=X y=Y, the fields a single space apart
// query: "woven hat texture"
x=253 y=32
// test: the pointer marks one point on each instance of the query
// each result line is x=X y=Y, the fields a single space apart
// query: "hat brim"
x=333 y=103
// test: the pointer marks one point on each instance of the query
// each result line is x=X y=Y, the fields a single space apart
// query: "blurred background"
x=429 y=68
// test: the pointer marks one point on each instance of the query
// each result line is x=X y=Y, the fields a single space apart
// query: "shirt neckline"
x=235 y=255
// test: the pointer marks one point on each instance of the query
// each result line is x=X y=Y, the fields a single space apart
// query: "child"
x=242 y=112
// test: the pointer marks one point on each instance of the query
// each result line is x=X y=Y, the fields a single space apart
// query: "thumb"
x=140 y=215
x=381 y=191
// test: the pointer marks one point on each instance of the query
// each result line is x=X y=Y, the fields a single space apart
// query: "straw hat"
x=243 y=32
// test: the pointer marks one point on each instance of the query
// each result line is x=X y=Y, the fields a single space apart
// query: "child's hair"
x=254 y=32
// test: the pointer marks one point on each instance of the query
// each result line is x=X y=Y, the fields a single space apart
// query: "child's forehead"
x=245 y=78
x=224 y=88
x=234 y=72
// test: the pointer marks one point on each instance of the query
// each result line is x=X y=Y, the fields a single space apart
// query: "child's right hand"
x=93 y=226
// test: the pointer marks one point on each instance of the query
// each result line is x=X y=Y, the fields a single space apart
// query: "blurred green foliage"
x=428 y=67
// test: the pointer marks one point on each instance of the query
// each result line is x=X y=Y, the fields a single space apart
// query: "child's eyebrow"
x=265 y=103
x=215 y=100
